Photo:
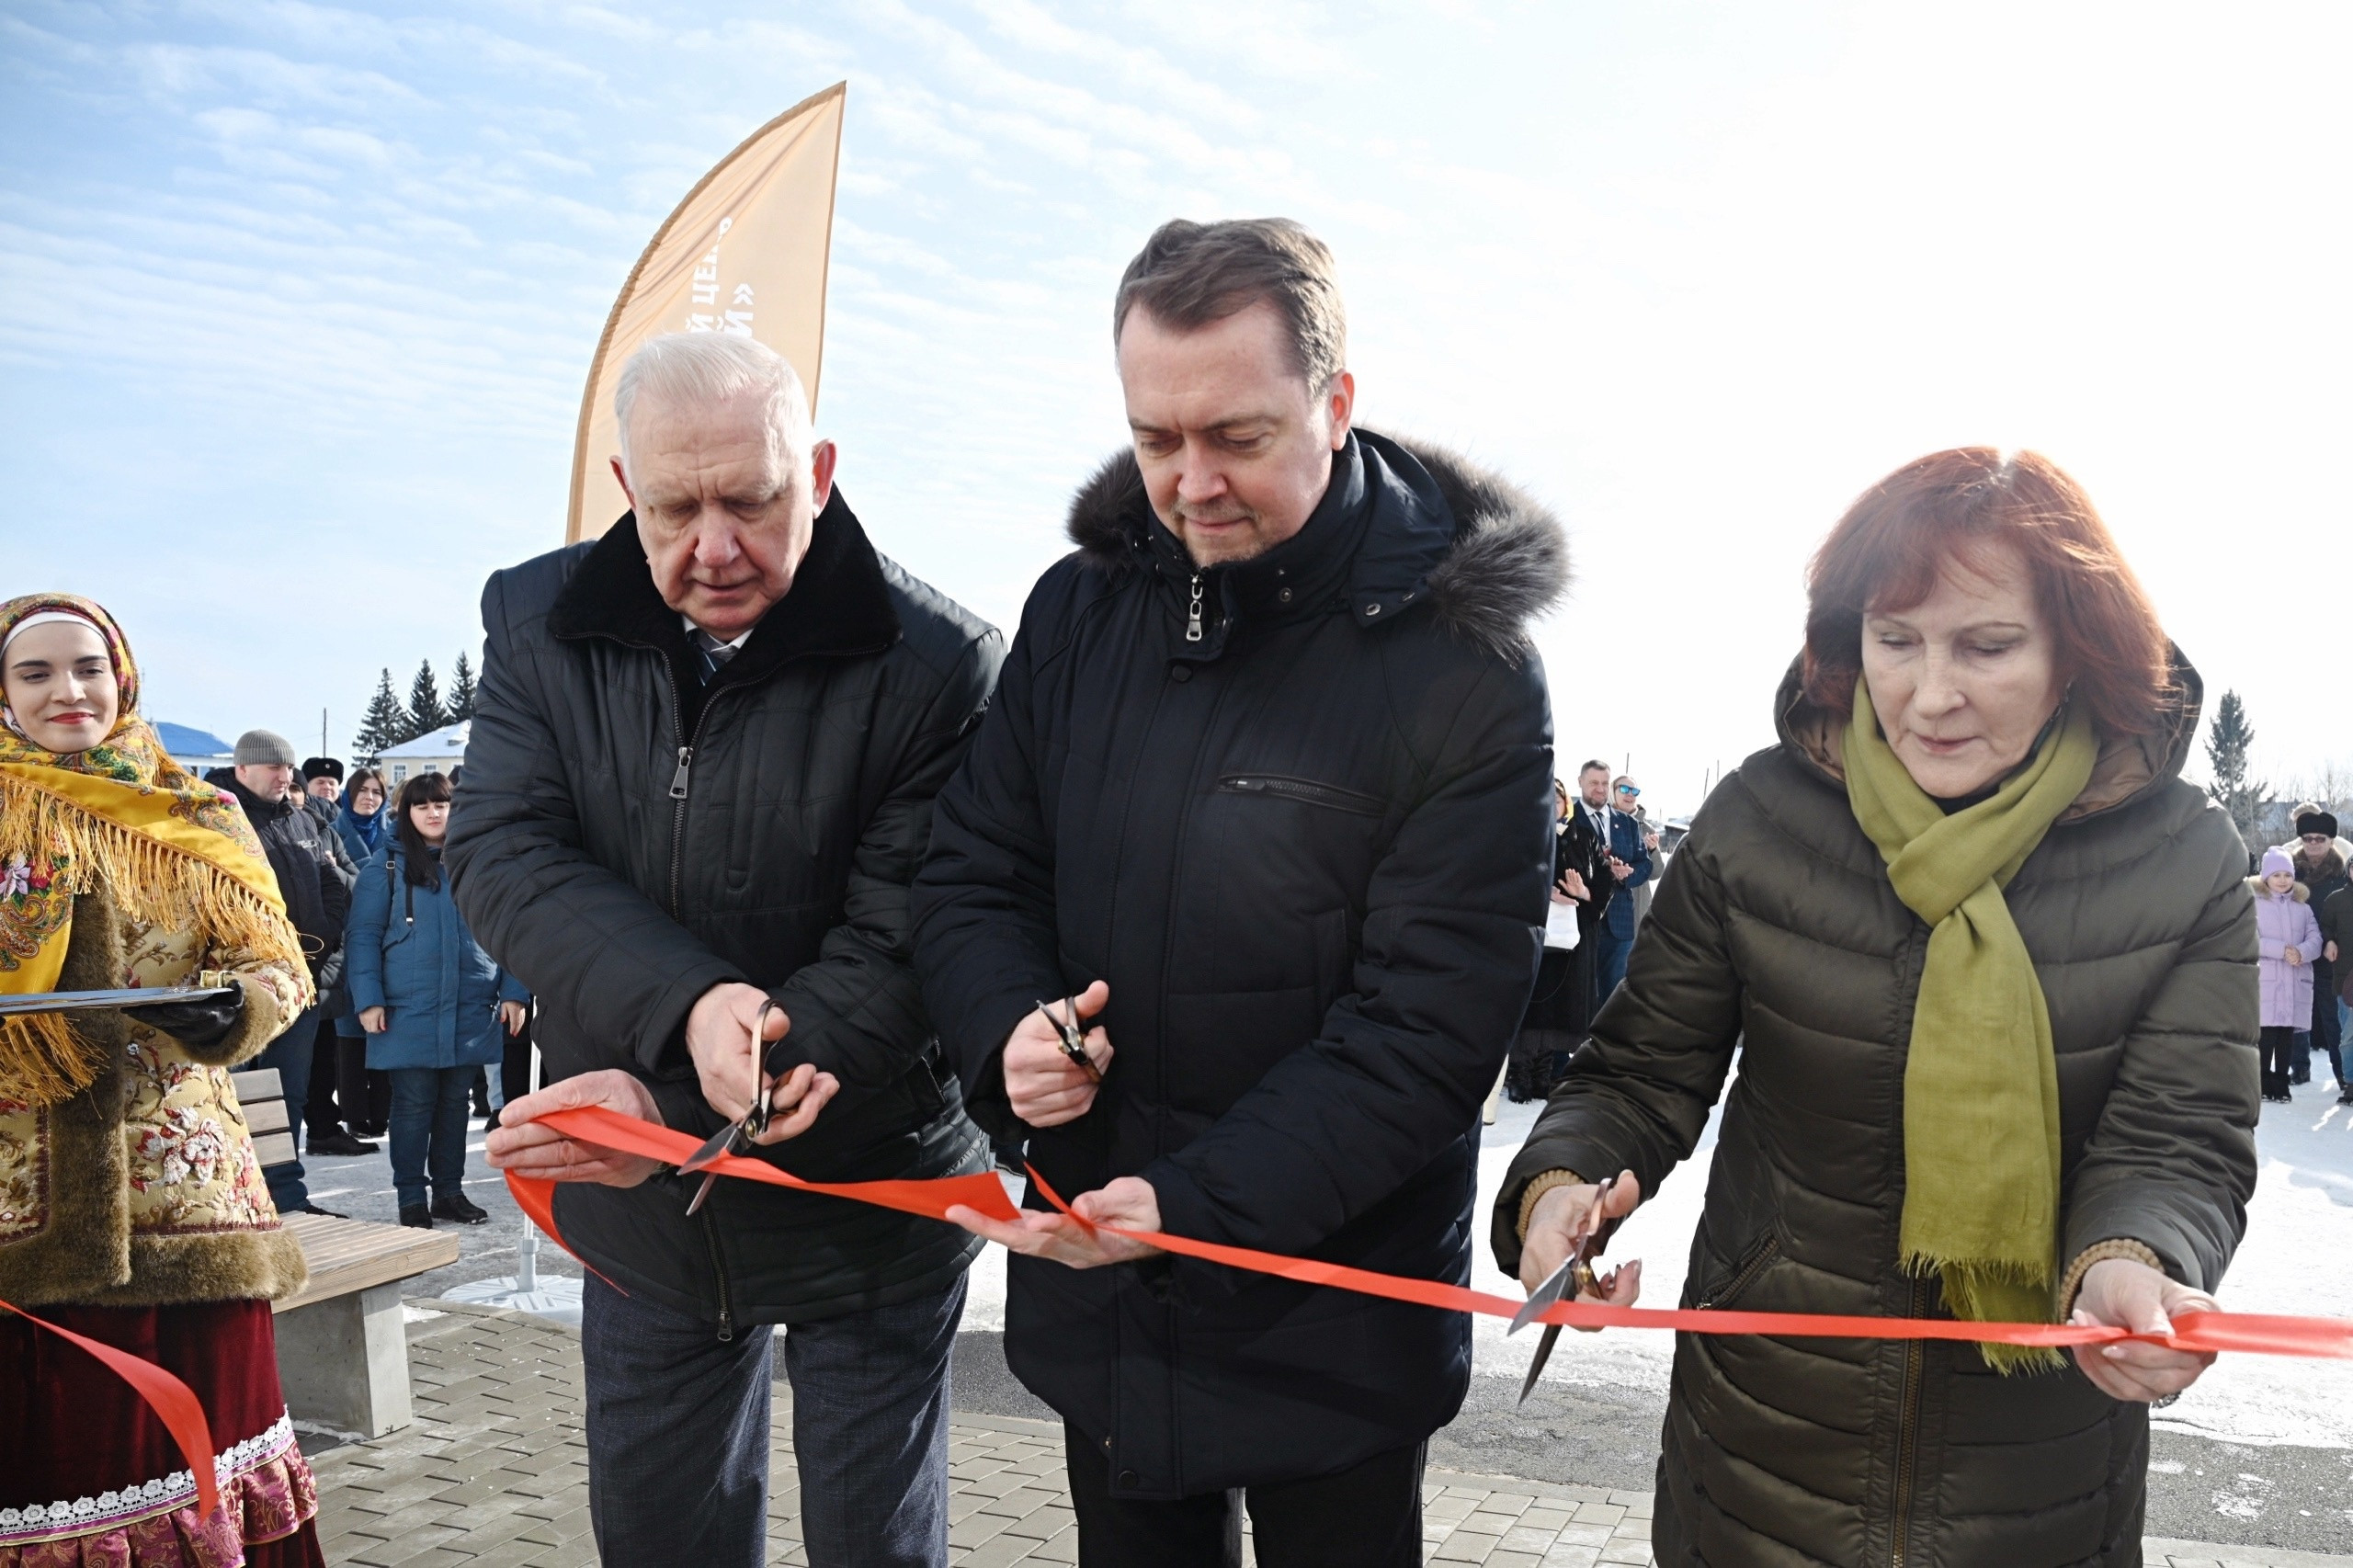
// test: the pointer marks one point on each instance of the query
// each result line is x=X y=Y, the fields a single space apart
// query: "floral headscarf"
x=120 y=817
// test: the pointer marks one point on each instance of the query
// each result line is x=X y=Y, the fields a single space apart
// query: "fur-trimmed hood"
x=1483 y=553
x=2297 y=892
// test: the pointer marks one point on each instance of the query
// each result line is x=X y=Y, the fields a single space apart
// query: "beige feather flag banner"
x=745 y=252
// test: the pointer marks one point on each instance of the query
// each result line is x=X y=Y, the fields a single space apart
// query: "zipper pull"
x=1193 y=615
x=678 y=779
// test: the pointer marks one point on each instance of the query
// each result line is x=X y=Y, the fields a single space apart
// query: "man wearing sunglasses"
x=1621 y=824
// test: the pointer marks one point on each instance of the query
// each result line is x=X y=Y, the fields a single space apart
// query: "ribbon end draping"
x=174 y=1402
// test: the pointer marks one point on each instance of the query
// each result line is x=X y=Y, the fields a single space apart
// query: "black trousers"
x=338 y=1083
x=1368 y=1516
x=2277 y=1045
x=515 y=1066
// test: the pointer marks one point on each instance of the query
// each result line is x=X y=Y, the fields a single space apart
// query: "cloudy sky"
x=296 y=301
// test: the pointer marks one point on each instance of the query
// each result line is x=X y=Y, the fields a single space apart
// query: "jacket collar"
x=839 y=604
x=259 y=810
x=1435 y=533
x=2128 y=766
x=1307 y=575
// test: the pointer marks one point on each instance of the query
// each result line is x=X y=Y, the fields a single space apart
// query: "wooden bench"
x=342 y=1346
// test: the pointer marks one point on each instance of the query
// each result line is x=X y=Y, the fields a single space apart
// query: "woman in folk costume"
x=1989 y=965
x=133 y=1210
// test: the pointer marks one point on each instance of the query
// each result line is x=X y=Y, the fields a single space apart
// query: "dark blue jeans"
x=678 y=1433
x=429 y=1131
x=1608 y=963
x=289 y=1054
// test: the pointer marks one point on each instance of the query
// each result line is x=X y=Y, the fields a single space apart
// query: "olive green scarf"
x=1980 y=1086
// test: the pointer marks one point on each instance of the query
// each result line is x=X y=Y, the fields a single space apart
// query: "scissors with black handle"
x=1073 y=1042
x=736 y=1137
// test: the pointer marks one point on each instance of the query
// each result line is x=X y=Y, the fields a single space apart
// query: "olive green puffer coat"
x=1776 y=930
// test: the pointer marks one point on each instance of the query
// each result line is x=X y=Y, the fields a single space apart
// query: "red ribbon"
x=174 y=1402
x=2198 y=1332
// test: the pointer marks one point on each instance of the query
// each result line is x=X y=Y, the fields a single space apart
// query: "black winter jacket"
x=626 y=838
x=1308 y=853
x=312 y=873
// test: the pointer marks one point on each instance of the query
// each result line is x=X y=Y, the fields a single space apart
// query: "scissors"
x=1573 y=1278
x=1073 y=1043
x=735 y=1137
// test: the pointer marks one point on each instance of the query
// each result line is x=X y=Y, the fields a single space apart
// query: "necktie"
x=714 y=652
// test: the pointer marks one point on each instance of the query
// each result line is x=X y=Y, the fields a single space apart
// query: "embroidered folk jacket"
x=143 y=1190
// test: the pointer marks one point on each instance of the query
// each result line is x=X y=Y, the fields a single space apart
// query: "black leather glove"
x=195 y=1023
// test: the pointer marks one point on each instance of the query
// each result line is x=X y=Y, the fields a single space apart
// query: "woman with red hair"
x=1989 y=966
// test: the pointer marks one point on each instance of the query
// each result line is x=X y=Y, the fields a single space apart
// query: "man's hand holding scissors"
x=728 y=1034
x=1046 y=1083
x=1051 y=1072
x=721 y=1032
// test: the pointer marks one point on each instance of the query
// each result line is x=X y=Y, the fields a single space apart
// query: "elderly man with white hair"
x=699 y=782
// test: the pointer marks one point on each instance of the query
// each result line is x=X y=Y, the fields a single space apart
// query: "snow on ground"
x=2296 y=1258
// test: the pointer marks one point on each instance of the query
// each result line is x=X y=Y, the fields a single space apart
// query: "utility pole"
x=323 y=732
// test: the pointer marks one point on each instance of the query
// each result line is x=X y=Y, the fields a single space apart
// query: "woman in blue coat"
x=431 y=999
x=364 y=820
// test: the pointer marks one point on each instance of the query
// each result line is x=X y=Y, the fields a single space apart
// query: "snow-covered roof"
x=182 y=740
x=447 y=741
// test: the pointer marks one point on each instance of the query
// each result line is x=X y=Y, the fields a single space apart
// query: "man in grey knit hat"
x=317 y=893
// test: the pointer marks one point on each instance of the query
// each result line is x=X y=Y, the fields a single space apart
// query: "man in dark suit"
x=1587 y=851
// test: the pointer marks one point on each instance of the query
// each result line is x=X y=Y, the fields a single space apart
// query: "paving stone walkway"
x=495 y=1475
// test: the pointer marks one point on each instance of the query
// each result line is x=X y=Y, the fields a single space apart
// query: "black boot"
x=456 y=1206
x=416 y=1216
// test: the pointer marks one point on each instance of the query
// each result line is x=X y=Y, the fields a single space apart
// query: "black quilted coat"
x=1777 y=926
x=1308 y=852
x=625 y=838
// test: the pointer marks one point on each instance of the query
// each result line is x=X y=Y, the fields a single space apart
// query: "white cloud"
x=1697 y=274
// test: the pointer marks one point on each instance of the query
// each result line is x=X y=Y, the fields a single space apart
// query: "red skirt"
x=89 y=1478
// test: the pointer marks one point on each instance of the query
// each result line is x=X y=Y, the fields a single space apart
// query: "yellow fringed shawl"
x=171 y=850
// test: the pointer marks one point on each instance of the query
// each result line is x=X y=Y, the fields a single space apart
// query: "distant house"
x=439 y=752
x=195 y=750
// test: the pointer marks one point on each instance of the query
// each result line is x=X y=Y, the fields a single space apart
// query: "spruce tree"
x=384 y=724
x=461 y=688
x=425 y=713
x=2227 y=746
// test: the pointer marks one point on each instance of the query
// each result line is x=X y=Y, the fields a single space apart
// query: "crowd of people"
x=2304 y=909
x=1220 y=895
x=1607 y=854
x=412 y=1012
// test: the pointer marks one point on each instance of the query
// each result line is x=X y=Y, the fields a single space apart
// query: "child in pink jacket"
x=2291 y=942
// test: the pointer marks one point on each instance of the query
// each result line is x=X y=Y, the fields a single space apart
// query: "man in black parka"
x=700 y=778
x=314 y=876
x=1267 y=791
